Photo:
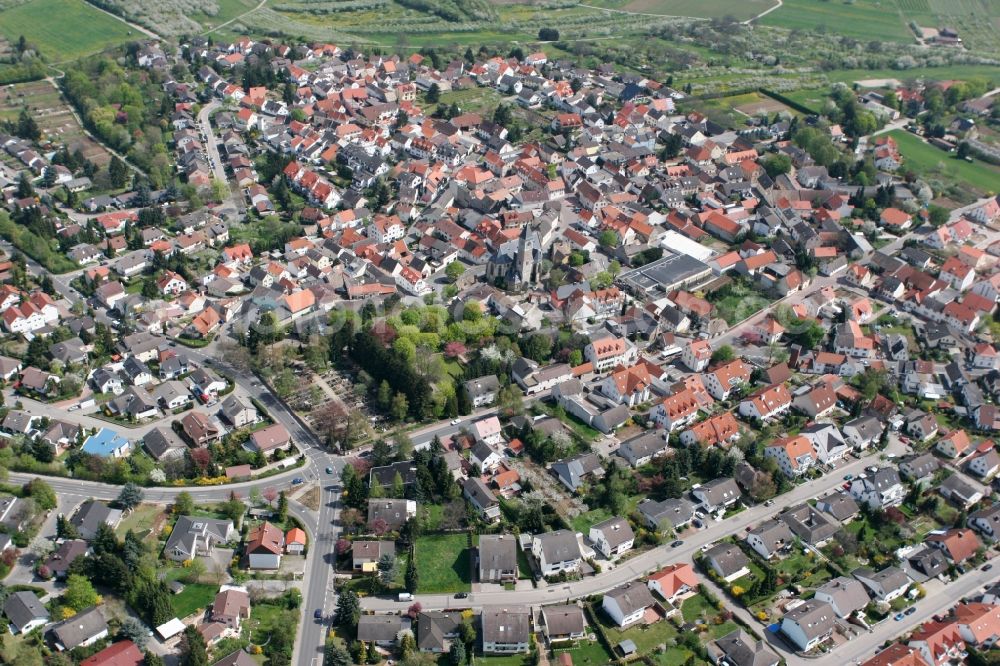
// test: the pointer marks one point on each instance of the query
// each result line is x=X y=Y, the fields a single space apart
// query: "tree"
x=723 y=354
x=454 y=270
x=42 y=494
x=130 y=496
x=776 y=165
x=548 y=35
x=456 y=656
x=608 y=238
x=134 y=631
x=27 y=128
x=65 y=529
x=282 y=507
x=183 y=504
x=348 y=609
x=400 y=407
x=412 y=578
x=334 y=655
x=117 y=172
x=434 y=93
x=79 y=594
x=387 y=569
x=270 y=494
x=193 y=650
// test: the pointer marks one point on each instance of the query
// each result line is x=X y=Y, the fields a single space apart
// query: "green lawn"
x=140 y=520
x=587 y=653
x=935 y=164
x=472 y=100
x=194 y=597
x=63 y=29
x=443 y=563
x=697 y=8
x=645 y=637
x=862 y=19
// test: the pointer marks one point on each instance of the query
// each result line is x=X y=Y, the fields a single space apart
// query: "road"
x=939 y=601
x=230 y=204
x=639 y=566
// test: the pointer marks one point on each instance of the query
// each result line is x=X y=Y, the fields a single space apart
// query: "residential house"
x=392 y=513
x=738 y=648
x=987 y=521
x=194 y=536
x=809 y=523
x=958 y=545
x=794 y=455
x=879 y=490
x=717 y=495
x=497 y=558
x=643 y=448
x=82 y=630
x=770 y=538
x=380 y=630
x=978 y=623
x=505 y=629
x=366 y=554
x=91 y=515
x=885 y=585
x=827 y=442
x=627 y=604
x=809 y=624
x=25 y=612
x=612 y=537
x=564 y=623
x=846 y=596
x=556 y=552
x=673 y=582
x=728 y=561
x=264 y=546
x=668 y=514
x=482 y=498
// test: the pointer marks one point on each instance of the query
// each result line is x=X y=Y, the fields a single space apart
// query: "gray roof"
x=188 y=529
x=717 y=492
x=840 y=505
x=890 y=578
x=433 y=627
x=372 y=550
x=498 y=552
x=742 y=649
x=379 y=627
x=84 y=625
x=957 y=487
x=572 y=470
x=563 y=620
x=90 y=516
x=669 y=511
x=559 y=546
x=809 y=523
x=928 y=561
x=506 y=625
x=392 y=511
x=616 y=531
x=847 y=593
x=163 y=442
x=815 y=618
x=919 y=466
x=478 y=492
x=645 y=445
x=631 y=596
x=64 y=555
x=774 y=534
x=727 y=557
x=481 y=386
x=24 y=607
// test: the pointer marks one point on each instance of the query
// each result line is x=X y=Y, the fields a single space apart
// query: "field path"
x=134 y=26
x=236 y=18
x=764 y=13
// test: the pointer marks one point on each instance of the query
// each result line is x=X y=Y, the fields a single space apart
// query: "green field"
x=587 y=653
x=194 y=597
x=63 y=29
x=699 y=8
x=864 y=19
x=443 y=563
x=937 y=166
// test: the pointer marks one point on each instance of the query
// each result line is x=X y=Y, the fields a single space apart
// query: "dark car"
x=318 y=613
x=679 y=542
x=461 y=595
x=329 y=470
x=911 y=610
x=987 y=567
x=297 y=480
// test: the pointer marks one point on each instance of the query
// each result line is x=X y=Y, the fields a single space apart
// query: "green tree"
x=348 y=609
x=723 y=354
x=456 y=656
x=193 y=650
x=454 y=270
x=387 y=569
x=777 y=164
x=117 y=172
x=400 y=407
x=412 y=578
x=183 y=504
x=42 y=494
x=608 y=238
x=434 y=93
x=282 y=507
x=79 y=594
x=130 y=496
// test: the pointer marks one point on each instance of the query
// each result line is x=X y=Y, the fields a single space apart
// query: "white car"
x=456 y=421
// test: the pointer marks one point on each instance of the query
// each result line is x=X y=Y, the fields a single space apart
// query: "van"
x=405 y=596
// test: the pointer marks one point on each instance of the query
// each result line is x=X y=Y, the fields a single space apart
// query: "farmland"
x=864 y=19
x=944 y=171
x=70 y=28
x=696 y=8
x=53 y=115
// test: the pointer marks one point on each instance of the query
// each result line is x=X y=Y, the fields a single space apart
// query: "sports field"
x=63 y=29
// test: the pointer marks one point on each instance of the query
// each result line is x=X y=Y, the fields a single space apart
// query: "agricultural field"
x=864 y=20
x=944 y=171
x=53 y=116
x=696 y=8
x=63 y=30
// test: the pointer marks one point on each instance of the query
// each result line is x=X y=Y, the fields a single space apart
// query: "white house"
x=556 y=551
x=612 y=537
x=626 y=604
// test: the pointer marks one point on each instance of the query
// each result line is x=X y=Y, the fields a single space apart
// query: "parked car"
x=911 y=610
x=297 y=480
x=848 y=477
x=461 y=595
x=987 y=567
x=329 y=470
x=898 y=617
x=679 y=542
x=318 y=613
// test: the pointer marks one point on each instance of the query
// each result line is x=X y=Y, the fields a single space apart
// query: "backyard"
x=443 y=563
x=194 y=597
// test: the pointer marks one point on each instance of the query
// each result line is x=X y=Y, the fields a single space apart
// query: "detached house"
x=612 y=537
x=794 y=455
x=556 y=552
x=879 y=490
